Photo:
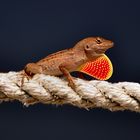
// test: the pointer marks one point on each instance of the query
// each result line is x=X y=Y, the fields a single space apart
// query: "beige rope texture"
x=54 y=90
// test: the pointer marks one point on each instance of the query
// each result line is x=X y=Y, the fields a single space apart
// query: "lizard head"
x=94 y=46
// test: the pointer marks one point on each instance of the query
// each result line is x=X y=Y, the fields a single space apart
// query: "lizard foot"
x=24 y=75
x=69 y=77
x=71 y=83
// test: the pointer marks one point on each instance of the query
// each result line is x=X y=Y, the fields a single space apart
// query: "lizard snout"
x=107 y=45
x=111 y=44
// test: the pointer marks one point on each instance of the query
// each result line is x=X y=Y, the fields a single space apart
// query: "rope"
x=48 y=89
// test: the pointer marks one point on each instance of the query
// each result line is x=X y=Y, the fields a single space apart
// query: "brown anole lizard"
x=68 y=60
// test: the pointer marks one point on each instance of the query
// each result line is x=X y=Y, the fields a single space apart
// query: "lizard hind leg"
x=33 y=68
x=29 y=70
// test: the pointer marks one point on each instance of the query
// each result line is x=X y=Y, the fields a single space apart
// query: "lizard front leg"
x=68 y=76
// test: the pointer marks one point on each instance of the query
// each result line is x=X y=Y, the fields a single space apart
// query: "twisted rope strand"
x=53 y=90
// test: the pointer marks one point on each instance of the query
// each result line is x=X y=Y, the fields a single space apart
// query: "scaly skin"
x=70 y=60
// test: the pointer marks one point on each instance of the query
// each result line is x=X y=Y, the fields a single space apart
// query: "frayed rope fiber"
x=48 y=89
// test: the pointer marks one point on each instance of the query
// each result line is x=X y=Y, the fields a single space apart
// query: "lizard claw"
x=24 y=74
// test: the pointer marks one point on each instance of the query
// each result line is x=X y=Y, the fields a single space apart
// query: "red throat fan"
x=101 y=68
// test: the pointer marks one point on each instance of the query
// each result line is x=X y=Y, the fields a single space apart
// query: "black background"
x=30 y=30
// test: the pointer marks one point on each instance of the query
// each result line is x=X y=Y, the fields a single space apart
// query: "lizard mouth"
x=103 y=49
x=100 y=51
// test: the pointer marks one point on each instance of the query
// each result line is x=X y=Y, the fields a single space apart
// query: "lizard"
x=66 y=61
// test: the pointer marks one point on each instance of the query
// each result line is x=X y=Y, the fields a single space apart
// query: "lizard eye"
x=98 y=41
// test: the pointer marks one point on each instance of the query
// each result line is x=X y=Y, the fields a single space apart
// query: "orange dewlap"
x=101 y=68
